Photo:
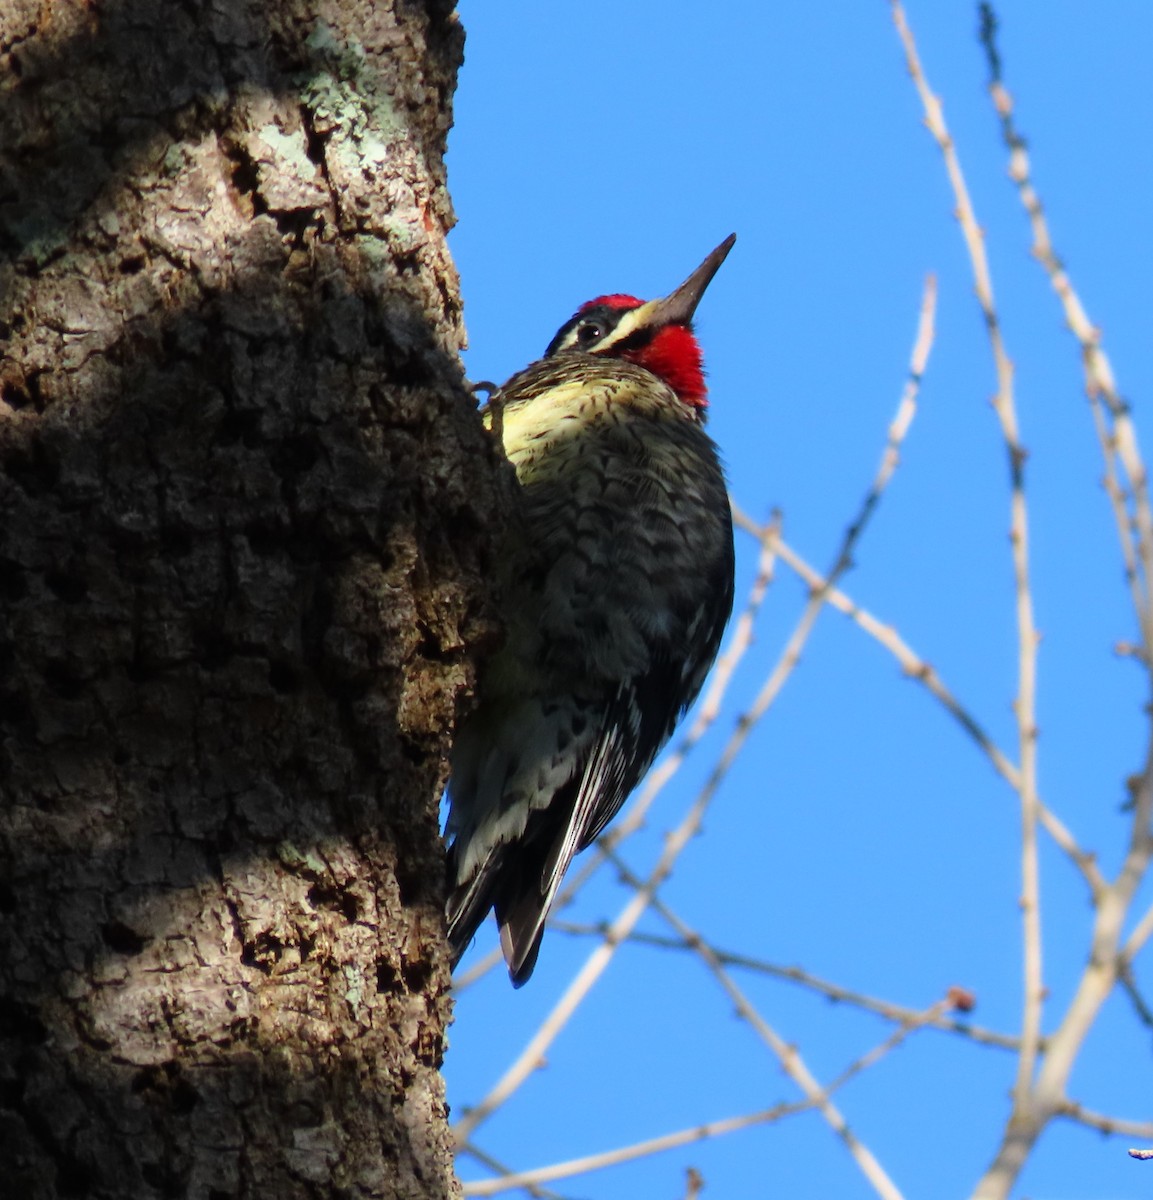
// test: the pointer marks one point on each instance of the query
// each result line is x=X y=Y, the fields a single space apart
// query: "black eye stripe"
x=568 y=336
x=635 y=340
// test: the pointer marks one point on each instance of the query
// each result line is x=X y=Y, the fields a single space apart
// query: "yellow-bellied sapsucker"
x=615 y=588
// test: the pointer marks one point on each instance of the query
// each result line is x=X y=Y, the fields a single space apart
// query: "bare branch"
x=1004 y=405
x=901 y=1014
x=906 y=411
x=1113 y=1126
x=1138 y=937
x=643 y=1149
x=1129 y=986
x=505 y=1172
x=1105 y=962
x=1121 y=438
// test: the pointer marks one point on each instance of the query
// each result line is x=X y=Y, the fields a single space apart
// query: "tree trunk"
x=242 y=492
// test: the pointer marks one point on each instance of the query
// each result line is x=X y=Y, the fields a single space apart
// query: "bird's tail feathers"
x=470 y=901
x=523 y=907
x=531 y=874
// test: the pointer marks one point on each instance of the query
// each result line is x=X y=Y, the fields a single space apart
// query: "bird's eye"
x=589 y=332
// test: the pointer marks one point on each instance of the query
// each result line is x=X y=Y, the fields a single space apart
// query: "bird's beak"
x=677 y=307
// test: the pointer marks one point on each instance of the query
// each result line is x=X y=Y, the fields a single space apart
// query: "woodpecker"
x=615 y=586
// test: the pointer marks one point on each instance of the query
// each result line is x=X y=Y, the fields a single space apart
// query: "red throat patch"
x=674 y=356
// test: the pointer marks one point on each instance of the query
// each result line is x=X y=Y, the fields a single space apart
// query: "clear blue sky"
x=608 y=148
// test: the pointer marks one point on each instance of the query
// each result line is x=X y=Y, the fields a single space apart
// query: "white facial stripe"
x=633 y=320
x=629 y=322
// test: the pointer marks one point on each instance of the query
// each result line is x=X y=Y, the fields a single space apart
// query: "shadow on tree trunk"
x=243 y=512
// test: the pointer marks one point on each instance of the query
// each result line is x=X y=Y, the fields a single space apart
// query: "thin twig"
x=505 y=1172
x=1138 y=937
x=898 y=1013
x=1027 y=637
x=898 y=429
x=1113 y=1126
x=1100 y=385
x=642 y=1149
x=1119 y=503
x=1119 y=440
x=1136 y=999
x=1105 y=959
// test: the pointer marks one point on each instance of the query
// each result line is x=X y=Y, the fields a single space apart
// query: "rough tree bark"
x=242 y=490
